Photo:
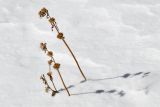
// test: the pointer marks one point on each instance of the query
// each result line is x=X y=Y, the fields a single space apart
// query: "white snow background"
x=117 y=43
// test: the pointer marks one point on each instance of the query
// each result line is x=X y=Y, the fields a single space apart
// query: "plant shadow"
x=120 y=93
x=125 y=76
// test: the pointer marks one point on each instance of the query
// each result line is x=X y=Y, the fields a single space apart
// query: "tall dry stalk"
x=44 y=12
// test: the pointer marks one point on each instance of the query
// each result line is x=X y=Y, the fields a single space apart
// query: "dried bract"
x=43 y=12
x=52 y=21
x=43 y=46
x=50 y=53
x=49 y=73
x=50 y=62
x=60 y=36
x=56 y=65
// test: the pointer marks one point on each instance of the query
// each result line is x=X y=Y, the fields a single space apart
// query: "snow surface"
x=116 y=43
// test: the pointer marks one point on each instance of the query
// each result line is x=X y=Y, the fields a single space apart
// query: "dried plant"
x=44 y=12
x=55 y=66
x=50 y=53
x=43 y=47
x=47 y=87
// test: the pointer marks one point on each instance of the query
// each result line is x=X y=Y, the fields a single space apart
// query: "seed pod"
x=60 y=36
x=43 y=12
x=56 y=65
x=50 y=62
x=50 y=53
x=52 y=20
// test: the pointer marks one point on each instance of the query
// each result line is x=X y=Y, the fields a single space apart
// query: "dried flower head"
x=49 y=73
x=43 y=12
x=50 y=53
x=50 y=62
x=43 y=46
x=60 y=36
x=56 y=65
x=52 y=20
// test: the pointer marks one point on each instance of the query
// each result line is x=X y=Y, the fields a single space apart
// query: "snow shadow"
x=127 y=75
x=62 y=89
x=71 y=86
x=120 y=93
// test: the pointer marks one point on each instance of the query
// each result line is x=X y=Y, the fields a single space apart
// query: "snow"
x=115 y=41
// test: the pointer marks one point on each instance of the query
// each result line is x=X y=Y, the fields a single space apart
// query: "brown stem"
x=54 y=85
x=61 y=78
x=50 y=77
x=74 y=59
x=71 y=53
x=63 y=82
x=56 y=27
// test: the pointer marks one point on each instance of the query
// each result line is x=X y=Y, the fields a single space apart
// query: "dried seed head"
x=49 y=73
x=43 y=46
x=50 y=62
x=50 y=53
x=52 y=20
x=60 y=36
x=43 y=12
x=56 y=65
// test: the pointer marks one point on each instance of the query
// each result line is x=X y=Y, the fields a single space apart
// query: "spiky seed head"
x=43 y=46
x=50 y=53
x=56 y=65
x=52 y=20
x=60 y=35
x=43 y=12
